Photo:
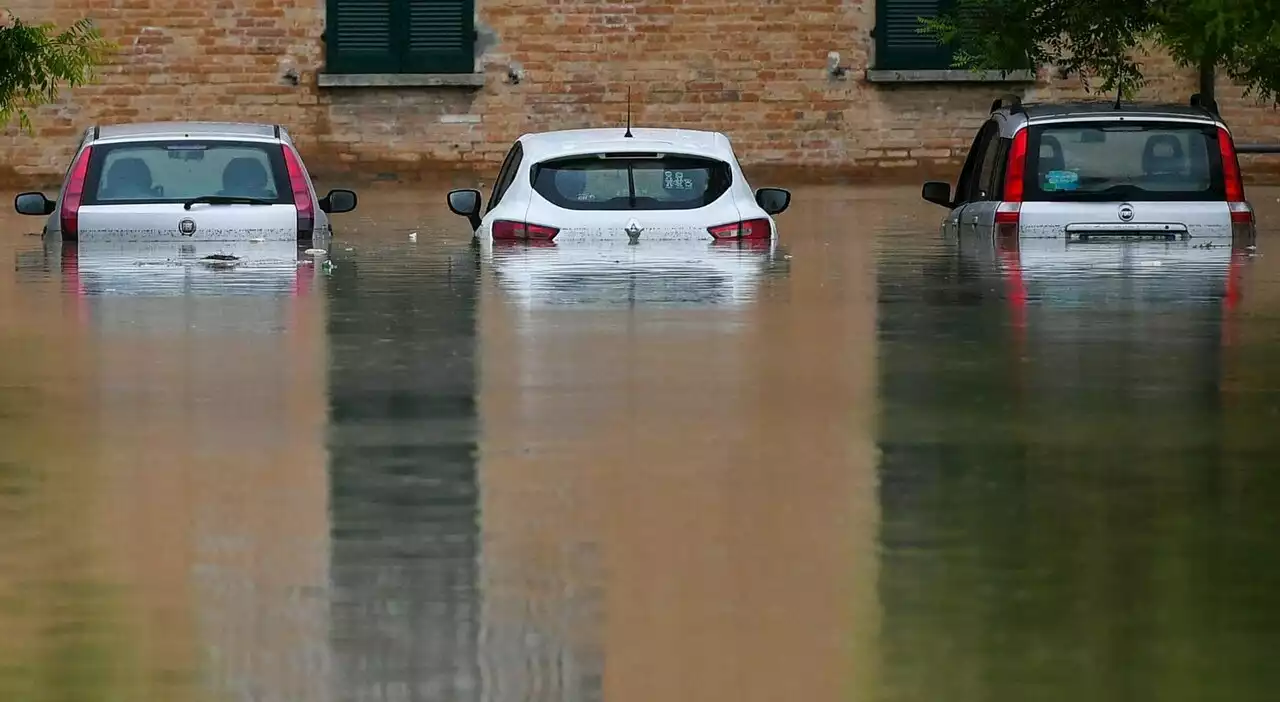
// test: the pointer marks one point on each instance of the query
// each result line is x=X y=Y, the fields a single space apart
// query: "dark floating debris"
x=221 y=257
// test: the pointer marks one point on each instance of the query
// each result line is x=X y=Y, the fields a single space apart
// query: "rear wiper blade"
x=224 y=200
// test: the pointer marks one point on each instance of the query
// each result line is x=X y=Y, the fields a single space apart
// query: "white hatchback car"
x=632 y=186
x=186 y=181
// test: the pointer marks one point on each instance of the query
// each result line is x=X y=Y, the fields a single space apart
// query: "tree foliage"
x=37 y=59
x=1103 y=39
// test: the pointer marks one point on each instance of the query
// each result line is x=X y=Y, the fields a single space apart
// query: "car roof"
x=180 y=130
x=1045 y=112
x=568 y=142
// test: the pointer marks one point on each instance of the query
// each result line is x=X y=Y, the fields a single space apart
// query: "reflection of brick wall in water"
x=402 y=483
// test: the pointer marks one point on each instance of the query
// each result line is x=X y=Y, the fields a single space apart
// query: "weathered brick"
x=707 y=64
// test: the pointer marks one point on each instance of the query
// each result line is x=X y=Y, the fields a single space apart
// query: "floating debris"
x=413 y=236
x=257 y=240
x=315 y=252
x=221 y=260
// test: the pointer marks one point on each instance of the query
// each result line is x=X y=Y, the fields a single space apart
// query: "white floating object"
x=314 y=252
x=257 y=240
x=413 y=236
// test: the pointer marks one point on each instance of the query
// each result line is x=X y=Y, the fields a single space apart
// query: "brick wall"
x=755 y=71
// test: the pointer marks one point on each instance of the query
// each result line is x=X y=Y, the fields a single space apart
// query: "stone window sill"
x=949 y=76
x=401 y=80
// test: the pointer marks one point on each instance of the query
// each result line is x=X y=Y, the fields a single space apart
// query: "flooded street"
x=872 y=464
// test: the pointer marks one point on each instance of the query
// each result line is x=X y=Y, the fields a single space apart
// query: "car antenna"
x=628 y=135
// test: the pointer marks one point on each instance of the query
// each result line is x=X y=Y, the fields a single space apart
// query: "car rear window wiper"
x=224 y=200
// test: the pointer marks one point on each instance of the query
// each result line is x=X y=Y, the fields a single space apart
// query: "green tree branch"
x=1104 y=39
x=37 y=59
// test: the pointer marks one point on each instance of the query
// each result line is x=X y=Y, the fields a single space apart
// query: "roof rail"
x=1013 y=102
x=276 y=127
x=97 y=132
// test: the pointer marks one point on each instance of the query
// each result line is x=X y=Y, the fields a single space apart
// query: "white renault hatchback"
x=629 y=186
x=186 y=182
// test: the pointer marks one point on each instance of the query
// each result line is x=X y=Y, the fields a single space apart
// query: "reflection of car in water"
x=270 y=268
x=613 y=274
x=1137 y=331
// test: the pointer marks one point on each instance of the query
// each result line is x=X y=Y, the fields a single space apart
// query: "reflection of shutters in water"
x=405 y=533
x=400 y=36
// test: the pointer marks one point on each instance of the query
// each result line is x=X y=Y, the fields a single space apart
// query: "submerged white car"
x=631 y=186
x=184 y=182
x=608 y=217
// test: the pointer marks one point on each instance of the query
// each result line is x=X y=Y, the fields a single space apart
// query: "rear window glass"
x=1124 y=161
x=632 y=181
x=181 y=170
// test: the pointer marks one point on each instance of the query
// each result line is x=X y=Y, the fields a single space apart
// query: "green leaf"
x=36 y=60
x=1101 y=41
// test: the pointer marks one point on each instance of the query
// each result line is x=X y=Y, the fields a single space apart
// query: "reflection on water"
x=611 y=274
x=872 y=464
x=1064 y=514
x=402 y=445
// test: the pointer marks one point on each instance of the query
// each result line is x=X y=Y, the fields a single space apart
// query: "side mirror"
x=33 y=204
x=773 y=200
x=466 y=203
x=937 y=193
x=338 y=201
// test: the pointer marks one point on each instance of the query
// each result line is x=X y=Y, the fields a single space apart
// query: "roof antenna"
x=629 y=135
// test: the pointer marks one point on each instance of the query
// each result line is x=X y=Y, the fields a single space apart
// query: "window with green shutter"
x=899 y=43
x=400 y=36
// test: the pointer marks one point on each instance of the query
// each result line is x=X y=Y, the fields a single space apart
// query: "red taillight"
x=748 y=229
x=70 y=216
x=301 y=193
x=1230 y=167
x=1009 y=211
x=507 y=230
x=1241 y=212
x=1016 y=170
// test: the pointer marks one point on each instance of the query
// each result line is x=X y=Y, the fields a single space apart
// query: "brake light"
x=507 y=230
x=1016 y=171
x=301 y=193
x=1009 y=211
x=747 y=229
x=69 y=218
x=1241 y=212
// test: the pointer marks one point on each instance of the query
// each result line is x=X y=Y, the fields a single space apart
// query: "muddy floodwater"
x=869 y=464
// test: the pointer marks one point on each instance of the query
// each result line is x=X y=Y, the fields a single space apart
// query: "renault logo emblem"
x=633 y=230
x=187 y=227
x=1126 y=212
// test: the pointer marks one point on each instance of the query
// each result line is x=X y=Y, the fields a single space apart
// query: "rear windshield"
x=632 y=181
x=177 y=171
x=1129 y=160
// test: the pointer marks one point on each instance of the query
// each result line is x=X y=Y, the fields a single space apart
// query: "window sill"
x=948 y=76
x=400 y=80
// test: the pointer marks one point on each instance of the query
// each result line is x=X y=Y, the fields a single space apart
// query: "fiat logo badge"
x=187 y=227
x=1126 y=213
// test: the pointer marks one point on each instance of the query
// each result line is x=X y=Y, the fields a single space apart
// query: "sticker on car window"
x=676 y=180
x=1061 y=180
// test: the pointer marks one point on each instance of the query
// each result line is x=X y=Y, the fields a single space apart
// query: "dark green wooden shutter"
x=438 y=36
x=899 y=43
x=360 y=37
